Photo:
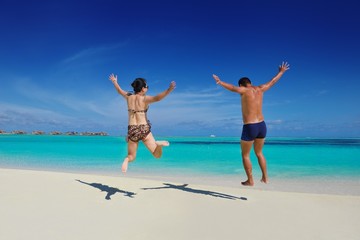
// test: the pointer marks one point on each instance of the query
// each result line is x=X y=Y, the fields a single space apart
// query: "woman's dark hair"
x=138 y=84
x=244 y=81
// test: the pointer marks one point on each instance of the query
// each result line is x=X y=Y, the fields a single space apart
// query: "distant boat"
x=212 y=135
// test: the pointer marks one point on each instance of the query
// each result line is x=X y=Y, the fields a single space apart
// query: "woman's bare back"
x=137 y=108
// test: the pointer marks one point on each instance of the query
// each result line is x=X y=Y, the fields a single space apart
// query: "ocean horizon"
x=293 y=161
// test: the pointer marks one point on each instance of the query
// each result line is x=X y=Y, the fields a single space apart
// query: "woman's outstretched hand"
x=113 y=78
x=217 y=79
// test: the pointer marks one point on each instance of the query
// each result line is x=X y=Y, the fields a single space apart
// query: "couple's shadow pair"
x=184 y=187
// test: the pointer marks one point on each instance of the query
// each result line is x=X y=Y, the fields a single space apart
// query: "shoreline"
x=52 y=205
x=295 y=165
x=326 y=186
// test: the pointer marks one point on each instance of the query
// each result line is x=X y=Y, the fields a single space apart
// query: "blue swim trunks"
x=253 y=130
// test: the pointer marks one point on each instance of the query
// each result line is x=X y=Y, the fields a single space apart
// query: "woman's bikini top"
x=133 y=111
x=137 y=111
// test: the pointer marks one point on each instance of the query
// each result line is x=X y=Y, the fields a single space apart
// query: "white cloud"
x=34 y=107
x=276 y=103
x=208 y=105
x=21 y=115
x=275 y=122
x=322 y=92
x=68 y=101
x=91 y=52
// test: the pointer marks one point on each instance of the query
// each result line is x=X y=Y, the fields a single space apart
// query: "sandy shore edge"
x=53 y=205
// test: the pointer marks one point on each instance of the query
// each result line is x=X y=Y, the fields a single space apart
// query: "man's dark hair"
x=244 y=81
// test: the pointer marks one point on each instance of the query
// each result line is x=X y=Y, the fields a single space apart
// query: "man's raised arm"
x=282 y=69
x=227 y=86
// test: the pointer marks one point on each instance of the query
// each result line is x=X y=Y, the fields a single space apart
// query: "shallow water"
x=335 y=163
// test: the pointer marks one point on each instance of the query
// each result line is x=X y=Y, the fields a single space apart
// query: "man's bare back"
x=251 y=105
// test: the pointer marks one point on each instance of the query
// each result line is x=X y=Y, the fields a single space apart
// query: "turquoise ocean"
x=331 y=163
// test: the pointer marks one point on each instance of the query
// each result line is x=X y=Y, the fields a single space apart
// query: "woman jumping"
x=139 y=127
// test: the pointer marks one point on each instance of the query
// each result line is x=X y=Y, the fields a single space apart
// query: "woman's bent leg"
x=155 y=147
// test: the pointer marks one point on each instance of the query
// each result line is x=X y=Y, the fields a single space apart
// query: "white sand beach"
x=51 y=205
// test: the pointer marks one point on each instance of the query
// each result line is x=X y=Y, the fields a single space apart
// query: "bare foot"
x=158 y=150
x=125 y=165
x=264 y=180
x=248 y=183
x=162 y=143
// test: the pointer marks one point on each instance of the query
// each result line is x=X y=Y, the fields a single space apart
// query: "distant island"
x=69 y=133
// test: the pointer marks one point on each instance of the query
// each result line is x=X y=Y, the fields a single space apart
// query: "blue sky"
x=56 y=56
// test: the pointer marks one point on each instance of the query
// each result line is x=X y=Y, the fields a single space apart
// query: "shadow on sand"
x=185 y=188
x=109 y=190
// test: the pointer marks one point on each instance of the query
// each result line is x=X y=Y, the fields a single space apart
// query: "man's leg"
x=258 y=146
x=245 y=153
